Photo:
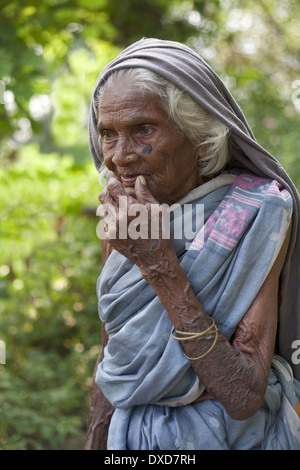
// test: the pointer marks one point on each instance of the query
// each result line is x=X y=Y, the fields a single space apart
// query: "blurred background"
x=51 y=52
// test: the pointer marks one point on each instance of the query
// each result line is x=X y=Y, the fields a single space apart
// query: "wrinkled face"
x=138 y=139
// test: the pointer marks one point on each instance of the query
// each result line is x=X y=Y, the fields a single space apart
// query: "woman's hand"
x=135 y=227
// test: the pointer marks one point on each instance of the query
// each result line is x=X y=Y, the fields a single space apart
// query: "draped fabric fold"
x=144 y=373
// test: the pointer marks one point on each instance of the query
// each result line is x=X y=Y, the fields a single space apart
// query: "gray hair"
x=204 y=130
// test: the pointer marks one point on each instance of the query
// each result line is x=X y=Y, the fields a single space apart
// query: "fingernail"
x=142 y=180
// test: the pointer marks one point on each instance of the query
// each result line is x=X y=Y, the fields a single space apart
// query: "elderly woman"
x=200 y=333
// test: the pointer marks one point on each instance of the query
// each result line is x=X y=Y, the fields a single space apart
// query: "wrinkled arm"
x=235 y=373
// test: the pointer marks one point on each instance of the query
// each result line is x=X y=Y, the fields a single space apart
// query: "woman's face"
x=138 y=139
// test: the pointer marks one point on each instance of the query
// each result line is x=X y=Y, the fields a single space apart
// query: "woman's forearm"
x=233 y=376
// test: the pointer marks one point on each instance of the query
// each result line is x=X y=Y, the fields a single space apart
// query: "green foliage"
x=50 y=259
x=51 y=52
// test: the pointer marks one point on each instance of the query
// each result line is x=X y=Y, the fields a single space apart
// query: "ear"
x=203 y=150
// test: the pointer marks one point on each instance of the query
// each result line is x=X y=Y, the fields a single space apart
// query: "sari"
x=145 y=374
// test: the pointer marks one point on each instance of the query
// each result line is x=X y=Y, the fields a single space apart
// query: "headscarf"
x=184 y=68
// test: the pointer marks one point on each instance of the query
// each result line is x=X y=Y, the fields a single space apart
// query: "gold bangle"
x=210 y=349
x=189 y=336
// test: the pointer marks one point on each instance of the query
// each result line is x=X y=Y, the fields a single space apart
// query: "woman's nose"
x=124 y=153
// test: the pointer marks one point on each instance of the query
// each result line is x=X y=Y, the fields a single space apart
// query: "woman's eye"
x=108 y=135
x=144 y=130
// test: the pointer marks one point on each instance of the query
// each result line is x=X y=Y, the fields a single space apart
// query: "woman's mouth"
x=128 y=181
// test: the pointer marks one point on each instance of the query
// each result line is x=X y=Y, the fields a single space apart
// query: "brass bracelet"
x=189 y=336
x=210 y=349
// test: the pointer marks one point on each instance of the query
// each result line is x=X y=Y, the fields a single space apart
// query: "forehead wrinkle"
x=135 y=120
x=130 y=109
x=126 y=117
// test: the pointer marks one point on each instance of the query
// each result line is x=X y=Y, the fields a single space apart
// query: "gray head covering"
x=188 y=71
